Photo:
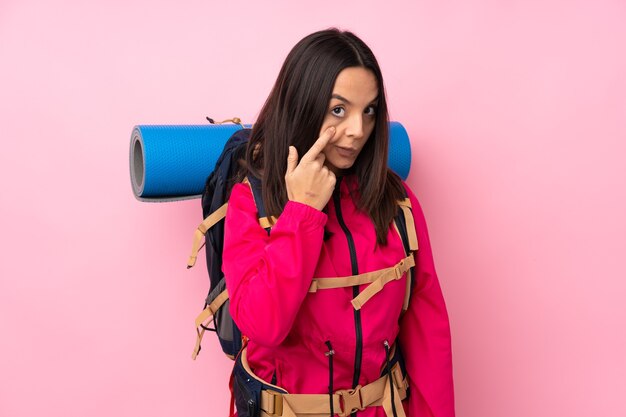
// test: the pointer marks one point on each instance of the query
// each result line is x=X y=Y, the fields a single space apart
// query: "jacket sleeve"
x=425 y=334
x=268 y=277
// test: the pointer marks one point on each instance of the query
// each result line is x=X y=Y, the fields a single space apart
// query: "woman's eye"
x=338 y=111
x=370 y=110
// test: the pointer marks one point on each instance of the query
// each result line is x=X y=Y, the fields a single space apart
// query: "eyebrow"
x=345 y=100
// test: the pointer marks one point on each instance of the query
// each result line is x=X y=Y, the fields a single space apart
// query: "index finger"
x=319 y=144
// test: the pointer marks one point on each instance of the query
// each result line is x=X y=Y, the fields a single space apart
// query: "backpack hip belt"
x=345 y=402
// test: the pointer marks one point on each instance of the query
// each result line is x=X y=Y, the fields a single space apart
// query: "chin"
x=340 y=166
x=341 y=169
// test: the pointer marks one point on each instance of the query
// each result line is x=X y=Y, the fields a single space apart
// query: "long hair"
x=293 y=115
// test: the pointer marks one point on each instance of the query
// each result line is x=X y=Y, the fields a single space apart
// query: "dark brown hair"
x=293 y=115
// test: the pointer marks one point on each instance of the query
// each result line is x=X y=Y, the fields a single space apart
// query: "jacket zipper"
x=355 y=289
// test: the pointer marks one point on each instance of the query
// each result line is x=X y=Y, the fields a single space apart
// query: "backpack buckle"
x=274 y=403
x=399 y=270
x=350 y=400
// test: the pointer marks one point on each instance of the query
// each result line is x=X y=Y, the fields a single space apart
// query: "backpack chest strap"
x=377 y=280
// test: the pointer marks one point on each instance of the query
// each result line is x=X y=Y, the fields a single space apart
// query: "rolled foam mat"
x=172 y=162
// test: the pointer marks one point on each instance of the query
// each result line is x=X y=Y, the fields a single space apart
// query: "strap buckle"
x=399 y=380
x=275 y=404
x=350 y=400
x=399 y=269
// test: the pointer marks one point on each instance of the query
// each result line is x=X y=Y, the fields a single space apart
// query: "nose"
x=354 y=127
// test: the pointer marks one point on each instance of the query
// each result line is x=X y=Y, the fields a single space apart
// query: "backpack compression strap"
x=202 y=321
x=200 y=232
x=213 y=218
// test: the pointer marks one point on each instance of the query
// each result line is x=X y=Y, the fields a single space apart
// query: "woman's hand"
x=310 y=182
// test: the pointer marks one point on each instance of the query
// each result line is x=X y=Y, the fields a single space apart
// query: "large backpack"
x=214 y=204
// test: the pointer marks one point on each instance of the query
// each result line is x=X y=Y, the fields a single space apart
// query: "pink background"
x=517 y=116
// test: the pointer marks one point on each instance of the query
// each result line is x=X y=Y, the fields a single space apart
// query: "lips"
x=346 y=152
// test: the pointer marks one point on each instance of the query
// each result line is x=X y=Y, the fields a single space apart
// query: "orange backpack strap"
x=202 y=321
x=409 y=222
x=265 y=221
x=200 y=232
x=377 y=280
x=407 y=210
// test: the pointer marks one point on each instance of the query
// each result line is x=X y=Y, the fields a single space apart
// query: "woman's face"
x=352 y=110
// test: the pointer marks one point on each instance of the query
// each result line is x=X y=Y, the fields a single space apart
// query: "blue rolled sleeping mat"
x=172 y=162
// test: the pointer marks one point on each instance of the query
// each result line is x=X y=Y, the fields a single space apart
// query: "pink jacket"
x=268 y=278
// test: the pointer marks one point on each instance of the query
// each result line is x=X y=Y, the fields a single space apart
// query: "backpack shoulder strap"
x=405 y=226
x=409 y=237
x=265 y=221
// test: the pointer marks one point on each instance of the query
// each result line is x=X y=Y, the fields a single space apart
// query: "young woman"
x=319 y=147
